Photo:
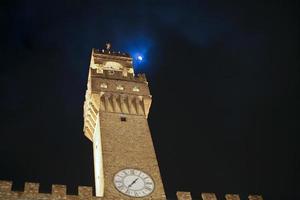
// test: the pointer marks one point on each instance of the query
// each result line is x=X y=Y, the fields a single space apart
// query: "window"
x=103 y=85
x=120 y=87
x=123 y=119
x=136 y=89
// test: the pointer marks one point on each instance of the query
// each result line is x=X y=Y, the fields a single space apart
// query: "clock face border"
x=113 y=181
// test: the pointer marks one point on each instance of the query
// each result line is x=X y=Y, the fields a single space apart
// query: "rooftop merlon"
x=106 y=52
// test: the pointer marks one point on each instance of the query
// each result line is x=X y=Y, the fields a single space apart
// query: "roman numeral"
x=147 y=188
x=136 y=194
x=121 y=187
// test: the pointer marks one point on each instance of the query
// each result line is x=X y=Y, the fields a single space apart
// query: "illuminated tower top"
x=108 y=68
x=112 y=61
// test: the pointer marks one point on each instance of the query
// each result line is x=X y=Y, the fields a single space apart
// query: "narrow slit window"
x=123 y=119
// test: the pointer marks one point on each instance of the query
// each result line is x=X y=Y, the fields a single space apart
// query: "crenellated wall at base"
x=212 y=196
x=31 y=192
x=59 y=192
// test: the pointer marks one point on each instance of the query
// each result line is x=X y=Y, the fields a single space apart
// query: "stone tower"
x=115 y=119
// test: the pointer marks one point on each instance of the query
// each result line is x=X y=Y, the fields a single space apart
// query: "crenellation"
x=232 y=197
x=31 y=192
x=183 y=195
x=109 y=54
x=59 y=191
x=85 y=192
x=212 y=196
x=142 y=77
x=31 y=188
x=208 y=196
x=5 y=186
x=255 y=197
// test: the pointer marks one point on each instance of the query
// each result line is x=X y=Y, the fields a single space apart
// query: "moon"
x=140 y=58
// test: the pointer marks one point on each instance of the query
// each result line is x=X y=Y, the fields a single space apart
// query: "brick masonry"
x=59 y=192
x=31 y=192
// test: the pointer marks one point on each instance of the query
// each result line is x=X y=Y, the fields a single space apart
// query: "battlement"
x=212 y=196
x=59 y=192
x=31 y=192
x=111 y=53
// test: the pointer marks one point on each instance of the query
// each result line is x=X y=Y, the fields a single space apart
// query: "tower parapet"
x=211 y=196
x=106 y=60
x=59 y=192
x=31 y=192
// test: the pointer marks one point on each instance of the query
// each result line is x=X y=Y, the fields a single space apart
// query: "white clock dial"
x=134 y=183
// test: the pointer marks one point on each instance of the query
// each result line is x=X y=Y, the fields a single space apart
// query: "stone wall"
x=212 y=196
x=59 y=192
x=31 y=192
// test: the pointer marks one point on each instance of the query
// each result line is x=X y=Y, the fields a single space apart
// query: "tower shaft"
x=115 y=119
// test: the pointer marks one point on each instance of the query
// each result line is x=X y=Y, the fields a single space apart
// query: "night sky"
x=224 y=77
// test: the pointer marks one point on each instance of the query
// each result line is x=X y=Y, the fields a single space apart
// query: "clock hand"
x=133 y=182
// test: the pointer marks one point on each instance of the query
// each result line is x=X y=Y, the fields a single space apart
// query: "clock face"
x=110 y=65
x=133 y=182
